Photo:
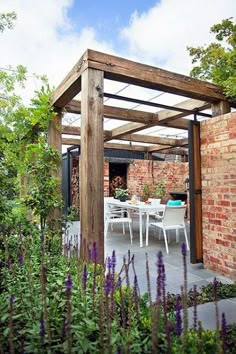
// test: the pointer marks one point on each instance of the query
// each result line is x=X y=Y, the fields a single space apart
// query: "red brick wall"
x=142 y=172
x=218 y=167
x=106 y=179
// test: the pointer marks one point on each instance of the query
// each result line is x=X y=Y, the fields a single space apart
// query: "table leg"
x=140 y=228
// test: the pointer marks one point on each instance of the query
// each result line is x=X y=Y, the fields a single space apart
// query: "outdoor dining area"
x=149 y=214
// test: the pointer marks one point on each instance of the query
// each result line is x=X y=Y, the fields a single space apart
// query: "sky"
x=50 y=36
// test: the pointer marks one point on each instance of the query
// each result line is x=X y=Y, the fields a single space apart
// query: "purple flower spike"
x=85 y=276
x=119 y=350
x=224 y=332
x=42 y=329
x=68 y=285
x=178 y=308
x=184 y=249
x=109 y=264
x=108 y=285
x=113 y=261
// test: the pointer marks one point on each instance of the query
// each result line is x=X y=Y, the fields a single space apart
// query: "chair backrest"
x=154 y=201
x=107 y=207
x=174 y=215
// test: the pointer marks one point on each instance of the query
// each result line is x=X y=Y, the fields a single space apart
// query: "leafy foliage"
x=7 y=20
x=51 y=303
x=217 y=61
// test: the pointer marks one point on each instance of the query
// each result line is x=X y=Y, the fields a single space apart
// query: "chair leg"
x=177 y=235
x=123 y=228
x=165 y=238
x=186 y=238
x=106 y=229
x=159 y=233
x=131 y=233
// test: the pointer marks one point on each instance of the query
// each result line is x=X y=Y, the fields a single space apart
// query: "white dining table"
x=142 y=208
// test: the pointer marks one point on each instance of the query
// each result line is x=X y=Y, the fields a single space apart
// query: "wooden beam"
x=71 y=85
x=149 y=139
x=120 y=69
x=220 y=108
x=117 y=146
x=172 y=151
x=165 y=116
x=118 y=113
x=70 y=130
x=195 y=193
x=66 y=129
x=92 y=165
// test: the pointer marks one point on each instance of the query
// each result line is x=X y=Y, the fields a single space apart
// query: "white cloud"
x=161 y=35
x=44 y=40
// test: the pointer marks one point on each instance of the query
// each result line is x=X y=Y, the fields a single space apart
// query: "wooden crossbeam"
x=120 y=69
x=149 y=139
x=76 y=141
x=172 y=151
x=70 y=130
x=71 y=85
x=118 y=113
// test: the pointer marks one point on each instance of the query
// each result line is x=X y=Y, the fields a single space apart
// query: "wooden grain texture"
x=70 y=130
x=165 y=116
x=92 y=165
x=120 y=69
x=71 y=85
x=116 y=146
x=74 y=106
x=220 y=108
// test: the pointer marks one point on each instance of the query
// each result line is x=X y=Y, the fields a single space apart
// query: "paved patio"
x=196 y=274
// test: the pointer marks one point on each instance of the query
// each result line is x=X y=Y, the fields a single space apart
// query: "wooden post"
x=55 y=141
x=195 y=193
x=219 y=108
x=92 y=165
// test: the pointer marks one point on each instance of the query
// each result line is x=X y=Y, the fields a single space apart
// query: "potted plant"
x=146 y=192
x=160 y=189
x=121 y=194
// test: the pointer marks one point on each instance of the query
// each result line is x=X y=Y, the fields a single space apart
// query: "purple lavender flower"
x=159 y=274
x=195 y=307
x=68 y=284
x=113 y=262
x=223 y=332
x=108 y=285
x=109 y=264
x=85 y=276
x=42 y=329
x=184 y=249
x=178 y=308
x=119 y=349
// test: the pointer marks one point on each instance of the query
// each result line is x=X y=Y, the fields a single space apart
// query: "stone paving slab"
x=206 y=313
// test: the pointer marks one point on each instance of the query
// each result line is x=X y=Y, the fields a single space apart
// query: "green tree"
x=217 y=61
x=7 y=20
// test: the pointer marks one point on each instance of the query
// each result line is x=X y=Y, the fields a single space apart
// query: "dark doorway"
x=117 y=177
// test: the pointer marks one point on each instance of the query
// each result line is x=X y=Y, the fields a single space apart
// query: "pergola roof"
x=94 y=74
x=138 y=103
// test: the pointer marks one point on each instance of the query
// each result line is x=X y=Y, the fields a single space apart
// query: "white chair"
x=115 y=215
x=172 y=219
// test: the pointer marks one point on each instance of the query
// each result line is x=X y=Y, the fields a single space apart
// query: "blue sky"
x=106 y=17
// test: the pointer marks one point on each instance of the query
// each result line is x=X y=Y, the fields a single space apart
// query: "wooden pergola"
x=87 y=77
